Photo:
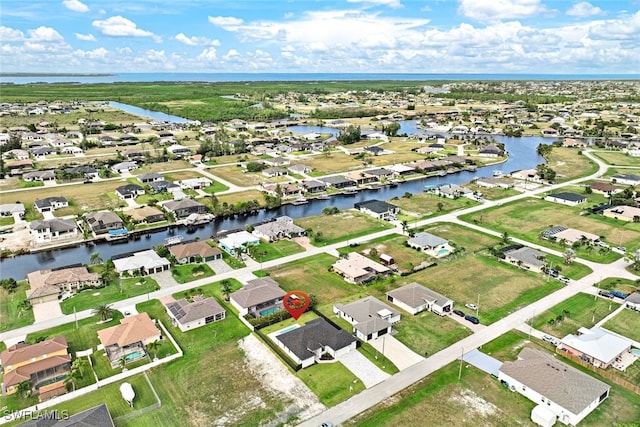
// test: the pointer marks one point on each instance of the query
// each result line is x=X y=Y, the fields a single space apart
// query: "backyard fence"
x=285 y=358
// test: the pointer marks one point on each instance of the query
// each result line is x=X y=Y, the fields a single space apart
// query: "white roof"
x=235 y=240
x=597 y=343
x=127 y=392
x=401 y=168
x=147 y=259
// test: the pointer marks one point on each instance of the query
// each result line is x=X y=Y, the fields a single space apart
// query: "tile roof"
x=186 y=250
x=131 y=330
x=23 y=352
x=257 y=291
x=597 y=343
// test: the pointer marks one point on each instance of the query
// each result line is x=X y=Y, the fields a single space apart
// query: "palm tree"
x=226 y=289
x=505 y=237
x=104 y=311
x=75 y=373
x=569 y=255
x=122 y=362
x=153 y=346
x=24 y=389
x=95 y=259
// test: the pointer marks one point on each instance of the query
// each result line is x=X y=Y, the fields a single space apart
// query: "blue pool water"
x=443 y=252
x=289 y=329
x=135 y=355
x=635 y=351
x=268 y=311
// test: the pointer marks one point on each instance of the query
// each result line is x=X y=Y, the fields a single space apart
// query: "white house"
x=415 y=298
x=190 y=315
x=564 y=198
x=50 y=230
x=567 y=392
x=370 y=317
x=144 y=262
x=430 y=244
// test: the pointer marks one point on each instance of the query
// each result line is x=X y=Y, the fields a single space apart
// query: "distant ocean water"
x=240 y=77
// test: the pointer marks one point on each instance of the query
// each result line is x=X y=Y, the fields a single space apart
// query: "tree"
x=373 y=252
x=440 y=206
x=95 y=259
x=105 y=311
x=24 y=389
x=10 y=284
x=569 y=255
x=122 y=362
x=505 y=237
x=75 y=373
x=225 y=287
x=350 y=135
x=153 y=346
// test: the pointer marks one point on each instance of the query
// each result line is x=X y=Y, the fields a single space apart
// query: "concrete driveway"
x=363 y=368
x=46 y=310
x=401 y=355
x=164 y=279
x=219 y=266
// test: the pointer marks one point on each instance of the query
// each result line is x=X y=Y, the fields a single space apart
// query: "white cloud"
x=390 y=3
x=10 y=34
x=496 y=10
x=209 y=54
x=231 y=55
x=225 y=21
x=44 y=34
x=196 y=41
x=584 y=9
x=76 y=6
x=118 y=26
x=85 y=37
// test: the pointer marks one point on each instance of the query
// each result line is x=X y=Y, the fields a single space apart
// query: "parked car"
x=472 y=319
x=564 y=280
x=620 y=249
x=459 y=313
x=471 y=306
x=550 y=339
x=618 y=294
x=606 y=294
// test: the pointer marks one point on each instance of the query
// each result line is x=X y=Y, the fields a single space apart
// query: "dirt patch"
x=474 y=403
x=274 y=376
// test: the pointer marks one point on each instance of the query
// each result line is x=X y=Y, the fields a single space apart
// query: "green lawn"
x=617 y=284
x=393 y=245
x=378 y=359
x=4 y=221
x=190 y=272
x=427 y=205
x=581 y=310
x=91 y=298
x=575 y=270
x=327 y=229
x=215 y=187
x=267 y=251
x=495 y=193
x=429 y=333
x=341 y=386
x=569 y=164
x=617 y=158
x=626 y=323
x=11 y=316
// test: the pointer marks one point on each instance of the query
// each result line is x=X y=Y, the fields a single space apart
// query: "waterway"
x=150 y=114
x=522 y=155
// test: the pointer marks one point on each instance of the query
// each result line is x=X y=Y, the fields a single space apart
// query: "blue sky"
x=373 y=36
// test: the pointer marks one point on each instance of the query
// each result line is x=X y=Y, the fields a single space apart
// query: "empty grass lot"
x=429 y=333
x=617 y=158
x=617 y=284
x=569 y=164
x=268 y=251
x=581 y=310
x=345 y=225
x=426 y=205
x=11 y=317
x=527 y=218
x=626 y=323
x=91 y=298
x=190 y=272
x=241 y=196
x=495 y=193
x=238 y=176
x=341 y=386
x=333 y=163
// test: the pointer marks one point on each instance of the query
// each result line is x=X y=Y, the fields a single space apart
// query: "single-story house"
x=276 y=161
x=286 y=190
x=72 y=150
x=623 y=213
x=143 y=263
x=491 y=150
x=526 y=175
x=572 y=235
x=415 y=298
x=307 y=344
x=565 y=198
x=129 y=338
x=178 y=150
x=148 y=214
x=42 y=365
x=146 y=178
x=378 y=209
x=184 y=208
x=162 y=186
x=259 y=297
x=50 y=204
x=10 y=209
x=356 y=268
x=123 y=167
x=53 y=229
x=282 y=228
x=300 y=168
x=312 y=186
x=564 y=390
x=401 y=170
x=338 y=182
x=380 y=173
x=41 y=176
x=361 y=178
x=236 y=243
x=626 y=179
x=104 y=221
x=604 y=188
x=370 y=317
x=98 y=416
x=430 y=244
x=48 y=285
x=188 y=315
x=633 y=301
x=596 y=346
x=189 y=252
x=271 y=172
x=451 y=191
x=525 y=257
x=195 y=183
x=129 y=191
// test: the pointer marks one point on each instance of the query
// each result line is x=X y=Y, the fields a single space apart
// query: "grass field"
x=428 y=333
x=343 y=383
x=242 y=196
x=190 y=272
x=393 y=245
x=268 y=251
x=569 y=164
x=528 y=217
x=237 y=175
x=11 y=317
x=495 y=193
x=344 y=225
x=617 y=158
x=91 y=298
x=617 y=284
x=626 y=323
x=581 y=310
x=477 y=399
x=462 y=237
x=337 y=161
x=426 y=205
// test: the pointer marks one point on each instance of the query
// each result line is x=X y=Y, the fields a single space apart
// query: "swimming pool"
x=269 y=311
x=133 y=356
x=285 y=330
x=635 y=351
x=50 y=381
x=443 y=252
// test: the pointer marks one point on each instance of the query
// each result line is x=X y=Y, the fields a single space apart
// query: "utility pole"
x=460 y=369
x=75 y=315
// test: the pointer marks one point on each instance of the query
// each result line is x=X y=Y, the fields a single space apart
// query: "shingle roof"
x=98 y=416
x=314 y=335
x=258 y=291
x=367 y=314
x=571 y=197
x=376 y=206
x=415 y=295
x=55 y=225
x=557 y=381
x=528 y=256
x=425 y=239
x=186 y=250
x=186 y=312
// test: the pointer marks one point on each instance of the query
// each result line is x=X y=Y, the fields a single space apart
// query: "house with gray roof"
x=626 y=179
x=430 y=244
x=123 y=167
x=370 y=317
x=566 y=392
x=313 y=186
x=259 y=297
x=527 y=258
x=50 y=204
x=104 y=221
x=566 y=198
x=633 y=301
x=188 y=315
x=451 y=191
x=129 y=191
x=282 y=228
x=307 y=344
x=338 y=181
x=597 y=346
x=185 y=207
x=378 y=209
x=42 y=176
x=415 y=298
x=10 y=209
x=146 y=178
x=50 y=230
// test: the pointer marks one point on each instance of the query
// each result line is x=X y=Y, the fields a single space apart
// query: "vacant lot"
x=267 y=251
x=529 y=217
x=569 y=164
x=626 y=323
x=242 y=196
x=462 y=237
x=581 y=310
x=616 y=158
x=427 y=333
x=495 y=193
x=425 y=205
x=333 y=163
x=91 y=298
x=327 y=229
x=13 y=314
x=238 y=176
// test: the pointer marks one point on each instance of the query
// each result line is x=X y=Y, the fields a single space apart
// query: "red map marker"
x=296 y=303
